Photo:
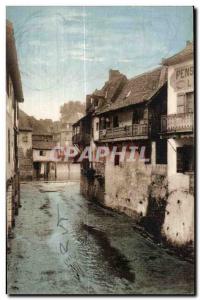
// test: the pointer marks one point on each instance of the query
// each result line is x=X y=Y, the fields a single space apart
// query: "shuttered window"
x=185 y=103
x=181 y=104
x=190 y=102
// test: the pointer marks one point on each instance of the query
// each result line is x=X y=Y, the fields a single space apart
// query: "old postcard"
x=100 y=150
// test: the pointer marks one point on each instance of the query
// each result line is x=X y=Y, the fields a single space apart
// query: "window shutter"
x=180 y=103
x=190 y=102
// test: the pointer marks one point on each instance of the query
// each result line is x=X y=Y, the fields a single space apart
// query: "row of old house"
x=28 y=149
x=154 y=110
x=14 y=95
x=41 y=157
x=40 y=151
x=24 y=152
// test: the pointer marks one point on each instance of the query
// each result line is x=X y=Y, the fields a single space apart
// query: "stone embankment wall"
x=144 y=193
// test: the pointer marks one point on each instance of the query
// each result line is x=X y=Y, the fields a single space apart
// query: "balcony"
x=177 y=123
x=136 y=131
x=81 y=138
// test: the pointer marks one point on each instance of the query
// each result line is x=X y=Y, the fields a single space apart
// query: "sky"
x=65 y=53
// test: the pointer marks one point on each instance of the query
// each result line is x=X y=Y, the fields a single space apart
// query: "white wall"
x=46 y=157
x=172 y=145
x=176 y=86
x=66 y=171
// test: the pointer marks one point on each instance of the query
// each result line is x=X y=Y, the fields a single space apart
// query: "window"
x=185 y=159
x=115 y=121
x=161 y=151
x=117 y=156
x=96 y=103
x=190 y=102
x=138 y=114
x=117 y=160
x=97 y=126
x=185 y=103
x=107 y=123
x=181 y=104
x=25 y=138
x=42 y=153
x=9 y=145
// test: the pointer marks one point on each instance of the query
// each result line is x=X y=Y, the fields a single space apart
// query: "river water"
x=65 y=244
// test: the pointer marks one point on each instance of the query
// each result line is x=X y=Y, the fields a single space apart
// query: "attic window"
x=95 y=103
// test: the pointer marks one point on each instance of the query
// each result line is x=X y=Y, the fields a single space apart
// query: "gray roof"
x=183 y=55
x=137 y=90
x=42 y=145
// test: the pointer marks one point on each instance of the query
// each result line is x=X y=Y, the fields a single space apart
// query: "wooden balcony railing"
x=81 y=138
x=182 y=122
x=135 y=130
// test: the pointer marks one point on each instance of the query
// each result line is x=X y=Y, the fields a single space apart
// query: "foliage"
x=70 y=109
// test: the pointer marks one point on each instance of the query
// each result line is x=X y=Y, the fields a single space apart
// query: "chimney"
x=88 y=102
x=113 y=74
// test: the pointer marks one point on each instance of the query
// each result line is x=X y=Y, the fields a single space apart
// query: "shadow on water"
x=116 y=260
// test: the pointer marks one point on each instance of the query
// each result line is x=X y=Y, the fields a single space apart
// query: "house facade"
x=43 y=156
x=63 y=130
x=125 y=114
x=14 y=95
x=25 y=153
x=178 y=129
x=130 y=114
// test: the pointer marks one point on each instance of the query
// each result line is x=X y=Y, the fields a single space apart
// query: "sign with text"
x=183 y=78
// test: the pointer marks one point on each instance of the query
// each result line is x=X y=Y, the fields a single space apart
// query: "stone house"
x=14 y=95
x=25 y=153
x=178 y=129
x=62 y=131
x=43 y=155
x=125 y=113
x=130 y=112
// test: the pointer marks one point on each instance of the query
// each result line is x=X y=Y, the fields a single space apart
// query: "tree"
x=71 y=108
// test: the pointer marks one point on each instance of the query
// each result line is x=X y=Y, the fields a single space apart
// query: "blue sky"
x=66 y=52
